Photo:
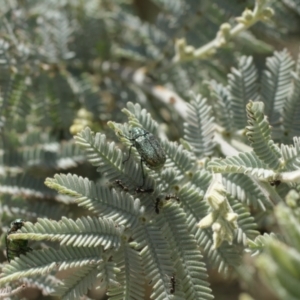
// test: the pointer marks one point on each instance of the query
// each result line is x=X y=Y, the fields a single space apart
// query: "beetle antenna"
x=120 y=133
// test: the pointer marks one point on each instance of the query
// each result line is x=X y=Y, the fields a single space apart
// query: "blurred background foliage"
x=69 y=64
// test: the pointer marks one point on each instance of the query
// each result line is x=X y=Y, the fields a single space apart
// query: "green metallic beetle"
x=149 y=148
x=14 y=248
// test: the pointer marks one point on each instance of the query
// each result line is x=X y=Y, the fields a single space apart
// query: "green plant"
x=118 y=236
x=279 y=264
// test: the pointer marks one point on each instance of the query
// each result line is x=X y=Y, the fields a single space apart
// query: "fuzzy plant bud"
x=189 y=50
x=267 y=13
x=207 y=221
x=217 y=237
x=180 y=45
x=246 y=17
x=231 y=217
x=216 y=195
x=221 y=218
x=292 y=198
x=225 y=31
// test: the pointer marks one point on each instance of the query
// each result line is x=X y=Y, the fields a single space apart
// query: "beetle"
x=149 y=148
x=14 y=248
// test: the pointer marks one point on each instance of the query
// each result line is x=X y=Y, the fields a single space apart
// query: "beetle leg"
x=143 y=174
x=128 y=155
x=6 y=242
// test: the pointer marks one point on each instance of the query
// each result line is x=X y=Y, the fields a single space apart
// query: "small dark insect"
x=167 y=197
x=172 y=196
x=157 y=205
x=172 y=284
x=149 y=148
x=275 y=182
x=14 y=248
x=140 y=190
x=119 y=183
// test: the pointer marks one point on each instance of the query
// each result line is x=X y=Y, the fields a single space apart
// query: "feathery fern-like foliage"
x=258 y=133
x=198 y=131
x=127 y=220
x=276 y=82
x=280 y=259
x=243 y=86
x=67 y=67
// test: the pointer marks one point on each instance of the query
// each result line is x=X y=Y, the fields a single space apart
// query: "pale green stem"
x=188 y=53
